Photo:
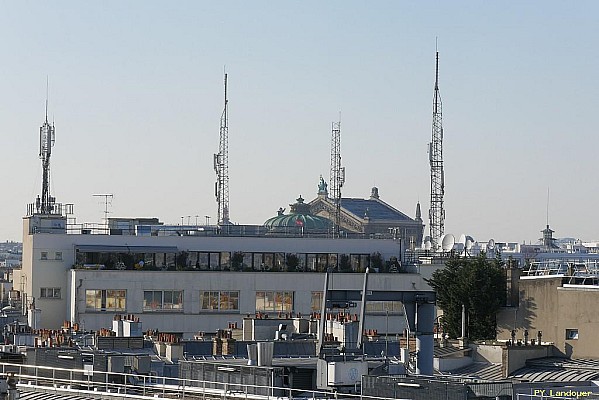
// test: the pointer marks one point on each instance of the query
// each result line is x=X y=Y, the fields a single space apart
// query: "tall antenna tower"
x=435 y=155
x=47 y=137
x=221 y=167
x=337 y=178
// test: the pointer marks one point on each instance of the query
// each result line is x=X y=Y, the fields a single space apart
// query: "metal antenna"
x=47 y=85
x=106 y=202
x=221 y=167
x=337 y=178
x=435 y=155
x=547 y=205
x=47 y=137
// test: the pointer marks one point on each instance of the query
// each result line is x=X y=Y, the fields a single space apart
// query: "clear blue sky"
x=136 y=95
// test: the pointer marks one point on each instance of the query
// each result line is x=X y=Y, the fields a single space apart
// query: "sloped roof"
x=558 y=369
x=480 y=370
x=373 y=208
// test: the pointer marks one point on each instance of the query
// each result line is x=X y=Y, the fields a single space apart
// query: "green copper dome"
x=298 y=217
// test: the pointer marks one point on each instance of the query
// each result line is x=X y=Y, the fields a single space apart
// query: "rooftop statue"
x=322 y=186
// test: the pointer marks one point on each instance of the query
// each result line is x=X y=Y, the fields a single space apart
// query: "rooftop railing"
x=97 y=384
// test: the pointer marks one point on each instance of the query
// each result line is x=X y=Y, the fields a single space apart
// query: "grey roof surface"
x=537 y=370
x=376 y=210
x=558 y=369
x=480 y=370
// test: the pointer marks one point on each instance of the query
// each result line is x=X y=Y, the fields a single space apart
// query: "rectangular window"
x=225 y=260
x=571 y=334
x=214 y=261
x=106 y=300
x=58 y=255
x=44 y=255
x=316 y=303
x=258 y=264
x=219 y=301
x=163 y=300
x=50 y=293
x=274 y=301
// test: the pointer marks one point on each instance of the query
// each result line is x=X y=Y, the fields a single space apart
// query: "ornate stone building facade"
x=370 y=216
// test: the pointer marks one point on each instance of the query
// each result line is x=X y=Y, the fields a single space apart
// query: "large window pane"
x=258 y=264
x=106 y=300
x=219 y=301
x=260 y=301
x=273 y=301
x=316 y=302
x=214 y=261
x=203 y=260
x=225 y=260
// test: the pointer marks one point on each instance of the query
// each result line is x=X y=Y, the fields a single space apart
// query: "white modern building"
x=194 y=280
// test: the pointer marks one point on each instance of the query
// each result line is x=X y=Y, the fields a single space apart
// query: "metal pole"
x=386 y=333
x=362 y=310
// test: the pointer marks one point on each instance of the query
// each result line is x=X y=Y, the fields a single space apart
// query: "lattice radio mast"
x=337 y=178
x=221 y=166
x=435 y=155
x=47 y=137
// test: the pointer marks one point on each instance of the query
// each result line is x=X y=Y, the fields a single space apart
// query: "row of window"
x=220 y=260
x=226 y=301
x=57 y=255
x=50 y=293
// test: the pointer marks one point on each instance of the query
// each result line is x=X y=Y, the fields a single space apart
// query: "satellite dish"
x=447 y=242
x=427 y=245
x=491 y=244
x=469 y=242
x=462 y=240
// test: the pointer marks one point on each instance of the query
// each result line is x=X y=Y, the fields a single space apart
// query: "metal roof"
x=25 y=394
x=558 y=369
x=553 y=369
x=374 y=209
x=480 y=370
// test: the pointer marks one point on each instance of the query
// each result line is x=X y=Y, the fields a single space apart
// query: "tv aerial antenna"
x=107 y=201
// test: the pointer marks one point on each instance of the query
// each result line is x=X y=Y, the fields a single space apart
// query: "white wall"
x=192 y=319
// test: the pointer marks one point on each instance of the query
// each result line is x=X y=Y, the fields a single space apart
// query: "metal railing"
x=135 y=386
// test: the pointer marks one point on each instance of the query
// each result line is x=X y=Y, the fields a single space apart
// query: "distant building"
x=371 y=216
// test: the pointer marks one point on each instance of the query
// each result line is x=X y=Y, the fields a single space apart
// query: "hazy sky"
x=136 y=95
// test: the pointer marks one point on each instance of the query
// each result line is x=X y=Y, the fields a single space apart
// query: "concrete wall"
x=545 y=305
x=488 y=353
x=449 y=364
x=515 y=356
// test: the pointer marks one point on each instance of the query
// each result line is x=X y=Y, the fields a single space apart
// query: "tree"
x=344 y=263
x=376 y=262
x=237 y=261
x=477 y=283
x=292 y=261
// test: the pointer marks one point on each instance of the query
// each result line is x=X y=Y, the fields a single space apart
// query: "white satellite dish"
x=469 y=242
x=462 y=240
x=427 y=245
x=447 y=242
x=491 y=244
